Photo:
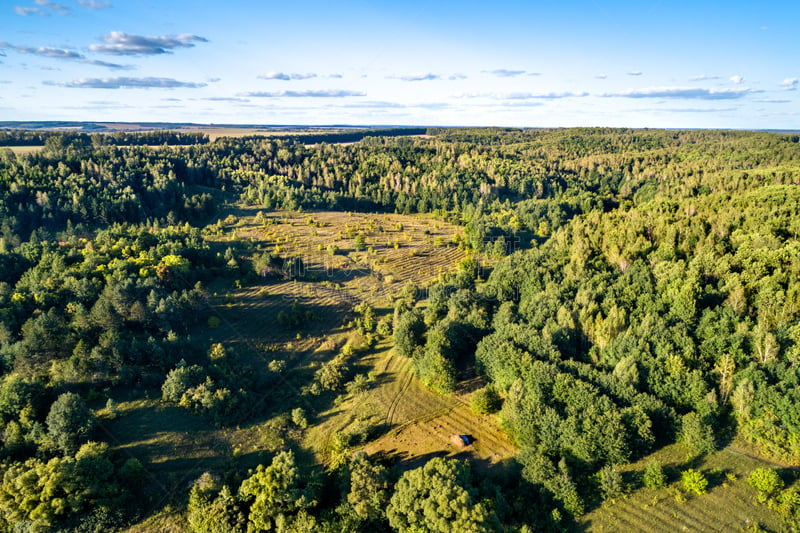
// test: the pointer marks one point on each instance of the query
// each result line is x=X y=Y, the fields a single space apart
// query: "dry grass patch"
x=729 y=505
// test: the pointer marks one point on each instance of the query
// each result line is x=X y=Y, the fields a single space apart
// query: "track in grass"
x=421 y=421
x=729 y=504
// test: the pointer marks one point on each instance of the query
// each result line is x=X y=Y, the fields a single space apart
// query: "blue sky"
x=669 y=63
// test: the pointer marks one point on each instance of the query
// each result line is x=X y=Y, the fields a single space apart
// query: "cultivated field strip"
x=422 y=421
x=729 y=504
x=397 y=248
x=249 y=315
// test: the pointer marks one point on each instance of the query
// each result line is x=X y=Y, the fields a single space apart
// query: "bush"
x=766 y=481
x=694 y=481
x=653 y=477
x=486 y=400
x=299 y=418
x=610 y=482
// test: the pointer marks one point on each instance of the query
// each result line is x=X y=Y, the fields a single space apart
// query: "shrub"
x=694 y=481
x=486 y=400
x=299 y=418
x=653 y=477
x=766 y=481
x=610 y=482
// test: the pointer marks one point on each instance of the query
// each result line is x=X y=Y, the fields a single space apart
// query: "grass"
x=416 y=421
x=20 y=150
x=176 y=446
x=729 y=504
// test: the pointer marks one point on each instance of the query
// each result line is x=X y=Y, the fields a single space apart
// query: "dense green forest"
x=625 y=290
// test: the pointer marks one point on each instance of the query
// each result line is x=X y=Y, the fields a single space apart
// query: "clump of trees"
x=218 y=388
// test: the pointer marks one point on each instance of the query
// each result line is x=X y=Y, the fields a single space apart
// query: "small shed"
x=461 y=441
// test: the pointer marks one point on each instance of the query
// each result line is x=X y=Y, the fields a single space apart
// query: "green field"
x=729 y=505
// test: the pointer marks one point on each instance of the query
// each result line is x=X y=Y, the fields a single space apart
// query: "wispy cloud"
x=225 y=99
x=524 y=96
x=457 y=76
x=635 y=73
x=94 y=4
x=106 y=64
x=55 y=7
x=773 y=101
x=505 y=73
x=57 y=53
x=790 y=84
x=126 y=44
x=304 y=94
x=24 y=11
x=705 y=77
x=517 y=104
x=129 y=83
x=283 y=76
x=417 y=77
x=736 y=79
x=601 y=76
x=686 y=93
x=697 y=110
x=43 y=8
x=374 y=105
x=62 y=53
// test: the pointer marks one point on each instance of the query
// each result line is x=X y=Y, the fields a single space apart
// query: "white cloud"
x=304 y=94
x=125 y=44
x=62 y=53
x=25 y=11
x=688 y=93
x=523 y=96
x=283 y=76
x=94 y=4
x=790 y=84
x=417 y=77
x=505 y=73
x=737 y=80
x=42 y=8
x=129 y=83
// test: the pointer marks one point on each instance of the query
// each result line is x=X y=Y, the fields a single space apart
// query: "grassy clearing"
x=396 y=248
x=729 y=505
x=22 y=150
x=417 y=423
x=176 y=446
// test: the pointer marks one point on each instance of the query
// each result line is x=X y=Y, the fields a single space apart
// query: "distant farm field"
x=19 y=150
